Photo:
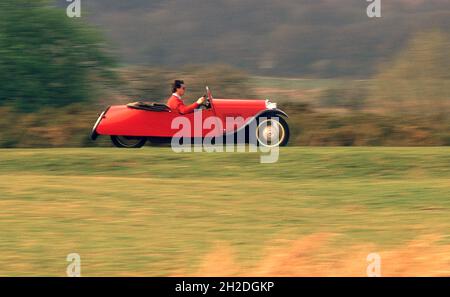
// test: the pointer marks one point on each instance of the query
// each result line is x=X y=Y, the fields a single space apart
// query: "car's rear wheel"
x=272 y=132
x=128 y=141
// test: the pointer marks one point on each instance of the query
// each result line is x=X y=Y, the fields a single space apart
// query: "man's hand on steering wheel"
x=207 y=102
x=204 y=101
x=201 y=100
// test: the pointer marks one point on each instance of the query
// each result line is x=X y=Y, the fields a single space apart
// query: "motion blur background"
x=344 y=78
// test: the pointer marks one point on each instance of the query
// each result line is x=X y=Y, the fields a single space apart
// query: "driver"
x=176 y=103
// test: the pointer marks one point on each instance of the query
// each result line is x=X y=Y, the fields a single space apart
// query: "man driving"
x=176 y=103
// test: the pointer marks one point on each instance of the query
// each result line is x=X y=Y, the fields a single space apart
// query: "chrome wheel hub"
x=270 y=133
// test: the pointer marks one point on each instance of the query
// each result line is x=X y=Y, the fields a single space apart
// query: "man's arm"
x=183 y=109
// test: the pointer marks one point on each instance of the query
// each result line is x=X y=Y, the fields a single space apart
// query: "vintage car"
x=131 y=125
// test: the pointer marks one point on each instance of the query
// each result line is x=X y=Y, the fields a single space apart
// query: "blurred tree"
x=418 y=78
x=46 y=58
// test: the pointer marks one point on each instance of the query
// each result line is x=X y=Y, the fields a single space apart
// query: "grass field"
x=318 y=211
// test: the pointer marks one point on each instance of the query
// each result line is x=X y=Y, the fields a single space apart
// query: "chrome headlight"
x=270 y=105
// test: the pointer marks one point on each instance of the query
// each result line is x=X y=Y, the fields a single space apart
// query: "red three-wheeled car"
x=133 y=124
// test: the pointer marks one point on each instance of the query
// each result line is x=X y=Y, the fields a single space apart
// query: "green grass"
x=154 y=212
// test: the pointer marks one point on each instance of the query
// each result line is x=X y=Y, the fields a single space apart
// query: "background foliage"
x=320 y=38
x=47 y=59
x=357 y=82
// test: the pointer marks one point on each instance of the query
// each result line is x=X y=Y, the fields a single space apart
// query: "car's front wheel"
x=128 y=141
x=272 y=132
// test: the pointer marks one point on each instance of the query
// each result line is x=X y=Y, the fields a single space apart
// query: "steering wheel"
x=207 y=102
x=208 y=97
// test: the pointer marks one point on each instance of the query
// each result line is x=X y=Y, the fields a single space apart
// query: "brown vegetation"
x=314 y=255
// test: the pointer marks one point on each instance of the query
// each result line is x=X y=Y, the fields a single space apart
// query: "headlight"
x=270 y=105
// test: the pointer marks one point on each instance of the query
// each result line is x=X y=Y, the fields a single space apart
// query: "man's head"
x=179 y=87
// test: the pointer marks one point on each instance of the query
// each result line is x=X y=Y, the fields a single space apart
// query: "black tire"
x=128 y=141
x=283 y=141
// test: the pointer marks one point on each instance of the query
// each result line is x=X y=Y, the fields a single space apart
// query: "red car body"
x=131 y=122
